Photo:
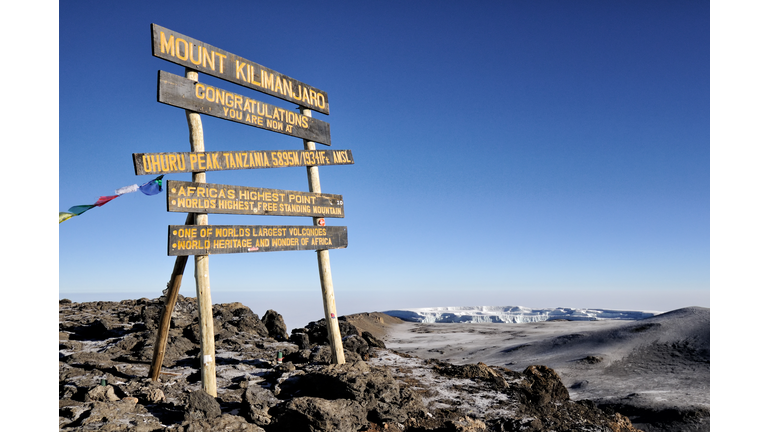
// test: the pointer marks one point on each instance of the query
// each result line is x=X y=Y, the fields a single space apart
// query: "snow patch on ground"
x=440 y=392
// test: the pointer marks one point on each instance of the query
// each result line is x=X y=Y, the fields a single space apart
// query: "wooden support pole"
x=202 y=282
x=324 y=266
x=170 y=302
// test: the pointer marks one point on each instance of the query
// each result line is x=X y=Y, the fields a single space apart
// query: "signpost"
x=227 y=239
x=191 y=53
x=201 y=98
x=227 y=199
x=169 y=163
x=199 y=198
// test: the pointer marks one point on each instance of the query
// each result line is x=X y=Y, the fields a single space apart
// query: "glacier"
x=512 y=314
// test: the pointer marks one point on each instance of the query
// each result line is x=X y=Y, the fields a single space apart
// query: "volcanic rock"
x=201 y=405
x=106 y=349
x=312 y=414
x=275 y=325
x=372 y=340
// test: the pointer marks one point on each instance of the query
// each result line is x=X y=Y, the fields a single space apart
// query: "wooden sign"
x=177 y=48
x=205 y=99
x=190 y=197
x=226 y=239
x=167 y=163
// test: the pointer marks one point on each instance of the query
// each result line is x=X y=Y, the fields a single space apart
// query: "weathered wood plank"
x=226 y=239
x=184 y=162
x=192 y=53
x=190 y=197
x=195 y=96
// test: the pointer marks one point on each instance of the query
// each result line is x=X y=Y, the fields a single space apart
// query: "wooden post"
x=324 y=266
x=202 y=282
x=170 y=303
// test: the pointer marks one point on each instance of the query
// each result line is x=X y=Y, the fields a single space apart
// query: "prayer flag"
x=105 y=199
x=64 y=216
x=78 y=210
x=127 y=189
x=152 y=187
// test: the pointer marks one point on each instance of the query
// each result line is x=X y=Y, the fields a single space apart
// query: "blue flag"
x=152 y=187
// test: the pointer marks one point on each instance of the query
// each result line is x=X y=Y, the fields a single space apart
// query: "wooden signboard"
x=167 y=163
x=198 y=198
x=227 y=239
x=180 y=49
x=190 y=197
x=205 y=99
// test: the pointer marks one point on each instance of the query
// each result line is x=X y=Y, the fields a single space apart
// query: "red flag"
x=105 y=199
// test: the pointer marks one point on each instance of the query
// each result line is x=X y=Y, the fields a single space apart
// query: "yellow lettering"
x=252 y=75
x=221 y=62
x=145 y=161
x=239 y=70
x=155 y=164
x=166 y=46
x=199 y=55
x=208 y=60
x=313 y=97
x=267 y=80
x=295 y=96
x=178 y=49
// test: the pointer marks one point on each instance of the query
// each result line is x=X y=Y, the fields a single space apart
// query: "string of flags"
x=152 y=187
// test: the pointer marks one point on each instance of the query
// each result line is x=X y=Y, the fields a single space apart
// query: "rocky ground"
x=656 y=371
x=105 y=351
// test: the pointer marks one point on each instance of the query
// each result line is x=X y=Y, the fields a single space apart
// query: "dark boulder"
x=225 y=422
x=357 y=345
x=251 y=324
x=479 y=371
x=321 y=354
x=311 y=414
x=318 y=332
x=383 y=398
x=546 y=386
x=257 y=401
x=373 y=341
x=300 y=338
x=201 y=405
x=275 y=325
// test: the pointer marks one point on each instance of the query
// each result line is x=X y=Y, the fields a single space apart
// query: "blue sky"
x=541 y=154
